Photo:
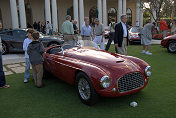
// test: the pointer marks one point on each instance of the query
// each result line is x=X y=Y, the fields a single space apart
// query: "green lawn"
x=59 y=100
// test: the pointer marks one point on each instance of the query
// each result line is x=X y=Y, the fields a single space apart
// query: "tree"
x=158 y=8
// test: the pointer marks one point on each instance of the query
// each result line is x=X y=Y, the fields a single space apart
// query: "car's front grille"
x=130 y=82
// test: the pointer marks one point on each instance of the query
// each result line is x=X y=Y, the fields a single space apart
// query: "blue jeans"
x=2 y=75
x=27 y=69
x=50 y=32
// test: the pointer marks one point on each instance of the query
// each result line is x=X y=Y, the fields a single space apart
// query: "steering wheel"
x=66 y=46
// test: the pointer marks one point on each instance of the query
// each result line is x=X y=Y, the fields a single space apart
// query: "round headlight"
x=148 y=71
x=105 y=82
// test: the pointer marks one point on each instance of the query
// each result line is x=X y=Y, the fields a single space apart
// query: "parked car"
x=12 y=40
x=169 y=43
x=134 y=34
x=95 y=72
x=107 y=31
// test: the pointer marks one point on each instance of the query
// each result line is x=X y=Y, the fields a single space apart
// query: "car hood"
x=171 y=37
x=100 y=58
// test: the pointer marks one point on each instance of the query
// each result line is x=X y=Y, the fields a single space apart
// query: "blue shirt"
x=124 y=29
x=86 y=31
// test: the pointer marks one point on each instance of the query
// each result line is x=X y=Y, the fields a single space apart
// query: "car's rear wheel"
x=4 y=48
x=171 y=47
x=85 y=89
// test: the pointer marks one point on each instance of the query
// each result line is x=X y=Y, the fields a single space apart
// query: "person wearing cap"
x=99 y=34
x=2 y=75
x=67 y=29
x=121 y=37
x=26 y=43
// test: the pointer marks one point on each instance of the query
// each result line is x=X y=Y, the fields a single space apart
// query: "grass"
x=59 y=100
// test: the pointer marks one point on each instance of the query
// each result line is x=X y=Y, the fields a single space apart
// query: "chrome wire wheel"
x=84 y=89
x=172 y=47
x=4 y=48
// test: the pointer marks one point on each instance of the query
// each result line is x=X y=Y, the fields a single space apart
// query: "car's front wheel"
x=4 y=48
x=171 y=47
x=85 y=89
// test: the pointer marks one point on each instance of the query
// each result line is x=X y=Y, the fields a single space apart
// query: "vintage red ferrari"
x=95 y=72
x=169 y=43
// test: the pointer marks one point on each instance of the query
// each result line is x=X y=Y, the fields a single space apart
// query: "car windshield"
x=77 y=43
x=135 y=29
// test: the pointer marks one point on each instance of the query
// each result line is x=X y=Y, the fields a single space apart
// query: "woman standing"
x=146 y=37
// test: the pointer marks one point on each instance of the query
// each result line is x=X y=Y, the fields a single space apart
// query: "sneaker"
x=143 y=52
x=25 y=81
x=148 y=53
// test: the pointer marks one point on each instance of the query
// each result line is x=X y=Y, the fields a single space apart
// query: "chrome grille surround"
x=130 y=82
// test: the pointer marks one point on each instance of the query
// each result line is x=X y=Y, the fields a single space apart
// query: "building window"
x=129 y=16
x=70 y=12
x=93 y=13
x=112 y=14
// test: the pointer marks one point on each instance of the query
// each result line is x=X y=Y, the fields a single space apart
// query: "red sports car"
x=95 y=72
x=169 y=43
x=134 y=34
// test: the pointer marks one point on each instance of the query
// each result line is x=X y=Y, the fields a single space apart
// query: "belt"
x=99 y=35
x=124 y=37
x=86 y=36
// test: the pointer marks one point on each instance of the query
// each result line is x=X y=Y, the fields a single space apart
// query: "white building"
x=17 y=13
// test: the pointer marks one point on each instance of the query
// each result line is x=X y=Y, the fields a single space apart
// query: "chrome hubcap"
x=172 y=47
x=84 y=89
x=3 y=48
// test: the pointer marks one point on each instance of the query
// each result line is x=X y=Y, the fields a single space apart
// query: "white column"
x=137 y=11
x=54 y=16
x=14 y=14
x=47 y=11
x=124 y=7
x=104 y=12
x=81 y=12
x=22 y=13
x=119 y=10
x=75 y=11
x=141 y=17
x=99 y=6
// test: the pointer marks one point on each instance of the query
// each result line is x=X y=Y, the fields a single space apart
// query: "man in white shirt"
x=49 y=28
x=121 y=36
x=26 y=42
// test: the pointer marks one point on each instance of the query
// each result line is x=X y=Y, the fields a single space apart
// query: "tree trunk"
x=174 y=10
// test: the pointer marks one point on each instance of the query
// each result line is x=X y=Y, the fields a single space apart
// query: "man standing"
x=2 y=75
x=86 y=31
x=99 y=34
x=121 y=36
x=67 y=29
x=49 y=28
x=111 y=34
x=164 y=27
